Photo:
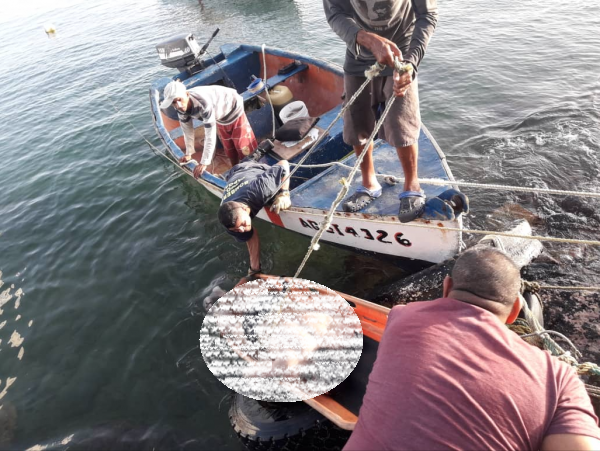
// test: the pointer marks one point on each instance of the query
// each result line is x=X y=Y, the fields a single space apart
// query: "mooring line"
x=394 y=180
x=568 y=288
x=472 y=231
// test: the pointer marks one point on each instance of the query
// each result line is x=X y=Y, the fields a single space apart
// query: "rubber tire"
x=283 y=426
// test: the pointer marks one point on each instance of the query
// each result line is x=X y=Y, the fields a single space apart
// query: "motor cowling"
x=180 y=52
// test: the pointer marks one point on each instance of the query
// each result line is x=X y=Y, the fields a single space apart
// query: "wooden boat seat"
x=284 y=152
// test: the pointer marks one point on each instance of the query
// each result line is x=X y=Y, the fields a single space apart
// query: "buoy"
x=280 y=97
x=49 y=28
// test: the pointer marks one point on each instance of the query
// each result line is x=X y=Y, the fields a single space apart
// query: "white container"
x=293 y=110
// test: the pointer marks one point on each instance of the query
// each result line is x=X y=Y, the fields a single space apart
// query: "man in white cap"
x=221 y=110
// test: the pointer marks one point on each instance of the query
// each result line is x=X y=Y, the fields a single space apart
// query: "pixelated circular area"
x=281 y=340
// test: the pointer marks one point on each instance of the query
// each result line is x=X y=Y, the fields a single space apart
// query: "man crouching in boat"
x=251 y=186
x=450 y=375
x=221 y=110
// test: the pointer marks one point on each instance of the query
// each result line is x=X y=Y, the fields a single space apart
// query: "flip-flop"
x=360 y=199
x=411 y=205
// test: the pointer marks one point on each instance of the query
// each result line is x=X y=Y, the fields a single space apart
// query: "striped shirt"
x=212 y=105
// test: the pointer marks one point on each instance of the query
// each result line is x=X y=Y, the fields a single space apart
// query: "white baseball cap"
x=172 y=91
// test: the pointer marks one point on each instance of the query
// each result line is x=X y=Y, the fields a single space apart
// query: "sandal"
x=411 y=205
x=360 y=199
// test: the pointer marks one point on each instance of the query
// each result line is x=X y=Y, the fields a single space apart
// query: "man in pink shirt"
x=450 y=375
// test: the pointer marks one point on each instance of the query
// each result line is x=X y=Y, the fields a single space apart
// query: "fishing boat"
x=321 y=422
x=318 y=87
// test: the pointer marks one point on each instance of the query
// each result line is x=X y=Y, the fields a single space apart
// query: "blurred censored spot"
x=281 y=340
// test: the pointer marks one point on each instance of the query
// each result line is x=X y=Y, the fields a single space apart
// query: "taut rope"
x=369 y=74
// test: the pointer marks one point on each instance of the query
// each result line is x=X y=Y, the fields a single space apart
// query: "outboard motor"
x=183 y=52
x=180 y=52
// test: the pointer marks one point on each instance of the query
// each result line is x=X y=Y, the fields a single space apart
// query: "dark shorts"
x=401 y=126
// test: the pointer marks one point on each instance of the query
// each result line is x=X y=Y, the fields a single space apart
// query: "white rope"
x=267 y=89
x=475 y=232
x=543 y=332
x=571 y=288
x=314 y=244
x=554 y=348
x=557 y=351
x=393 y=180
x=374 y=70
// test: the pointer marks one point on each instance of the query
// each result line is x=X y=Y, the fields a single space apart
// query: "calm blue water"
x=107 y=251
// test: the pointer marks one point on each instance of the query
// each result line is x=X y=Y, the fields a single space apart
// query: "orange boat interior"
x=321 y=91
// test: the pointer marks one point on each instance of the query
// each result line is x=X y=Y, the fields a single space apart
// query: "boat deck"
x=374 y=230
x=321 y=191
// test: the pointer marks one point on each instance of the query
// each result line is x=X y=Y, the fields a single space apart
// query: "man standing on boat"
x=221 y=110
x=450 y=375
x=382 y=31
x=251 y=186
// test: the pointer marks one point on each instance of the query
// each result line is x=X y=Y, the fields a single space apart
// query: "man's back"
x=215 y=104
x=449 y=375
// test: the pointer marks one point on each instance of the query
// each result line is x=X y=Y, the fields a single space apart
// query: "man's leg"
x=402 y=127
x=367 y=169
x=409 y=157
x=359 y=121
x=242 y=137
x=224 y=132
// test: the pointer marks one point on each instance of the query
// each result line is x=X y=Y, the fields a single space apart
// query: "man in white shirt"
x=221 y=110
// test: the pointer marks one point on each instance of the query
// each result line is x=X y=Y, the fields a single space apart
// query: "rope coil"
x=582 y=369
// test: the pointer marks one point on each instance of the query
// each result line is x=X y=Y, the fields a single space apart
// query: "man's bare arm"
x=286 y=179
x=570 y=442
x=382 y=49
x=254 y=250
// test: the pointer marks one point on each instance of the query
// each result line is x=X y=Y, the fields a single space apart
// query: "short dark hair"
x=228 y=213
x=487 y=273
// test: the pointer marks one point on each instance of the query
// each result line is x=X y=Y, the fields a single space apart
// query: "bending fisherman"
x=251 y=186
x=221 y=110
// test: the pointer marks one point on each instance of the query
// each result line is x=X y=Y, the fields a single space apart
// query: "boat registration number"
x=378 y=235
